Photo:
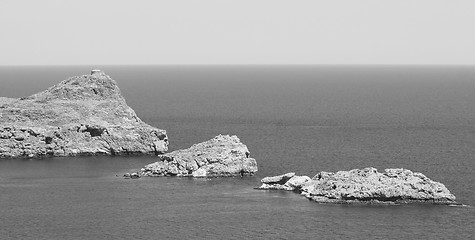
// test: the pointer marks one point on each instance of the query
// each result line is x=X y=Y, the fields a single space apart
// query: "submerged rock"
x=83 y=115
x=368 y=186
x=223 y=155
x=131 y=175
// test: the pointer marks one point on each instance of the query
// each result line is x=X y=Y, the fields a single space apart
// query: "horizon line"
x=246 y=64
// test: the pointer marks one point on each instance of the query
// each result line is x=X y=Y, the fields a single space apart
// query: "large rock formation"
x=364 y=186
x=223 y=155
x=81 y=115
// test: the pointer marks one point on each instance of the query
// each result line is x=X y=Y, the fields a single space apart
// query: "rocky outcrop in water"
x=288 y=181
x=364 y=186
x=221 y=156
x=83 y=115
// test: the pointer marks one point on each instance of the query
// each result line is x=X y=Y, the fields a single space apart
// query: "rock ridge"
x=393 y=186
x=223 y=155
x=82 y=115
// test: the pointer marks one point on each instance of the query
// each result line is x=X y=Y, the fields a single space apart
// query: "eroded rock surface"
x=223 y=155
x=367 y=186
x=83 y=115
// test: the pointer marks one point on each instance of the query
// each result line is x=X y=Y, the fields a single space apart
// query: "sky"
x=114 y=32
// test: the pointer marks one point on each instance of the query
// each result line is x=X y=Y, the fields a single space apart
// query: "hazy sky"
x=44 y=32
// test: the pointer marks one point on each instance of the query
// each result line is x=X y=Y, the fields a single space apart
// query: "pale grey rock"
x=370 y=186
x=83 y=115
x=223 y=155
x=200 y=172
x=275 y=186
x=288 y=182
x=5 y=100
x=296 y=182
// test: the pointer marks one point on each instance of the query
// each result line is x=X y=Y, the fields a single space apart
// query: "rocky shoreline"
x=222 y=156
x=364 y=186
x=87 y=115
x=83 y=115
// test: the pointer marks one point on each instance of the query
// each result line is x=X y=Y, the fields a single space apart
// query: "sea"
x=293 y=118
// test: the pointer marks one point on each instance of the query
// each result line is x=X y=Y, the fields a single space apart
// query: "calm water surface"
x=302 y=118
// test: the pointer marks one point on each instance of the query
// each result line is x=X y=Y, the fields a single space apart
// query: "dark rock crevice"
x=95 y=131
x=48 y=140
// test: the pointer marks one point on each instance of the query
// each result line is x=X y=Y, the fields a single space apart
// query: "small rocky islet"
x=87 y=115
x=367 y=185
x=222 y=156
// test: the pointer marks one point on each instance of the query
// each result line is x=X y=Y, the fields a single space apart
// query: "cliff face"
x=83 y=115
x=364 y=186
x=221 y=156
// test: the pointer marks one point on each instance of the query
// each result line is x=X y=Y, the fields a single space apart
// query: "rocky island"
x=83 y=115
x=393 y=186
x=221 y=156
